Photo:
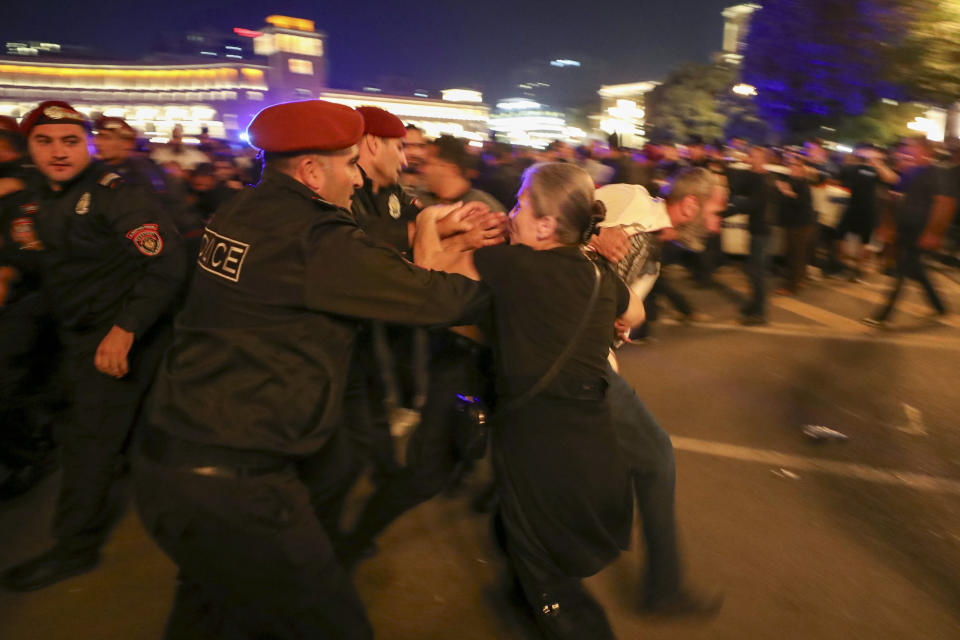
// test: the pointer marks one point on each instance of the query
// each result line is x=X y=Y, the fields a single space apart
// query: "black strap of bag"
x=561 y=360
x=472 y=436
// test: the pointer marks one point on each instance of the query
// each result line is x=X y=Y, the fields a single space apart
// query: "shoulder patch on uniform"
x=110 y=179
x=146 y=238
x=23 y=233
x=222 y=256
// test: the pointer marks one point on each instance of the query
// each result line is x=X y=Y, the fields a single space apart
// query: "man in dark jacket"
x=242 y=456
x=28 y=341
x=926 y=205
x=752 y=192
x=112 y=265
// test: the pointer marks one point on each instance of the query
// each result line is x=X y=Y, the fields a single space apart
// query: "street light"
x=746 y=90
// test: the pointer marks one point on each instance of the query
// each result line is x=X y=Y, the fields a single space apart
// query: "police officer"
x=27 y=339
x=382 y=207
x=242 y=445
x=115 y=141
x=389 y=359
x=456 y=361
x=112 y=264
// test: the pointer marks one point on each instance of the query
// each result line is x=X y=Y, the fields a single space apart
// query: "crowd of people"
x=343 y=268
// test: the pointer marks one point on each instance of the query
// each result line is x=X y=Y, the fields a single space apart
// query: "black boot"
x=49 y=568
x=579 y=617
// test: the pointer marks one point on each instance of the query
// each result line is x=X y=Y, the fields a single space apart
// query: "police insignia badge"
x=393 y=204
x=59 y=113
x=146 y=238
x=83 y=205
x=23 y=233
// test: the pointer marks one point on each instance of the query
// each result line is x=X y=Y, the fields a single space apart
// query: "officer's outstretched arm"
x=349 y=274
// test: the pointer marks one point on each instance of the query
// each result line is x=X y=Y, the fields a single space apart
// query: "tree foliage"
x=696 y=100
x=926 y=59
x=880 y=124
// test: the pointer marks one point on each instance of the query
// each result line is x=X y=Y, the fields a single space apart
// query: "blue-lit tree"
x=815 y=63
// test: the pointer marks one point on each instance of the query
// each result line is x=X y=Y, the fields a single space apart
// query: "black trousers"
x=366 y=419
x=102 y=414
x=798 y=254
x=29 y=393
x=910 y=265
x=649 y=452
x=255 y=561
x=456 y=368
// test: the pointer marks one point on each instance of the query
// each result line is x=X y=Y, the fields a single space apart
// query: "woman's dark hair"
x=564 y=191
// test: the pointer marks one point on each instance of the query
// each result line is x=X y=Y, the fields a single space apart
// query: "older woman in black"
x=565 y=493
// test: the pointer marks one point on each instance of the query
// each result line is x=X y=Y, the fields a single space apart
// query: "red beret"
x=9 y=124
x=116 y=125
x=380 y=123
x=52 y=112
x=309 y=125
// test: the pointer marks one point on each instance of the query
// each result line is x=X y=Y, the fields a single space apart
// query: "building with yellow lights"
x=219 y=93
x=623 y=111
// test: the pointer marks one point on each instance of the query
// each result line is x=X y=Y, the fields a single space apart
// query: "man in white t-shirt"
x=696 y=195
x=184 y=155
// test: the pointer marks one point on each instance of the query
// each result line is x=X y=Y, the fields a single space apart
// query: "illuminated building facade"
x=220 y=90
x=623 y=111
x=523 y=122
x=461 y=113
x=151 y=98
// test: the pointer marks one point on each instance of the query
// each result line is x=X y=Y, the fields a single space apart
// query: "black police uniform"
x=385 y=214
x=457 y=365
x=110 y=258
x=386 y=356
x=28 y=350
x=241 y=447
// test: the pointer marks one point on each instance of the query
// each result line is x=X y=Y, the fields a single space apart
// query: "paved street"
x=834 y=540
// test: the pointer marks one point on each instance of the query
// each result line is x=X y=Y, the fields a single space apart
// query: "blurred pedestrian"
x=753 y=193
x=864 y=178
x=924 y=208
x=176 y=150
x=795 y=211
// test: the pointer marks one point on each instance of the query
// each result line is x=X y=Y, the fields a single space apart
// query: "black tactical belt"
x=203 y=460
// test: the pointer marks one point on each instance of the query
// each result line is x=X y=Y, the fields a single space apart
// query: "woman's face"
x=523 y=224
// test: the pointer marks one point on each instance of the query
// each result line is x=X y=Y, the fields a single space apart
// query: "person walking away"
x=925 y=206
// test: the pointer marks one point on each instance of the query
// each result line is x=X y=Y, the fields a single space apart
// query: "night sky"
x=439 y=43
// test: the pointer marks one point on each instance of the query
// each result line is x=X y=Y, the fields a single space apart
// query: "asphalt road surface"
x=836 y=540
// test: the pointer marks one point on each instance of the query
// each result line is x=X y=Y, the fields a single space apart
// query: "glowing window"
x=297 y=65
x=301 y=45
x=263 y=45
